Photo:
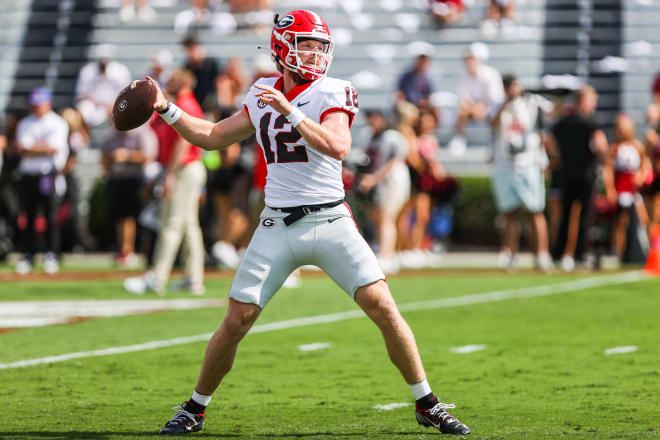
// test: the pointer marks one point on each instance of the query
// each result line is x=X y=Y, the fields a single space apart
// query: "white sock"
x=201 y=399
x=421 y=389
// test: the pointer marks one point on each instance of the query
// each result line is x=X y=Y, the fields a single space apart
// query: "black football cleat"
x=183 y=422
x=438 y=417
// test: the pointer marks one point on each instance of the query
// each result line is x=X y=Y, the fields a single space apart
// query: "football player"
x=302 y=120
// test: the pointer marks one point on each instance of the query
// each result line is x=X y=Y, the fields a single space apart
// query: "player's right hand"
x=161 y=102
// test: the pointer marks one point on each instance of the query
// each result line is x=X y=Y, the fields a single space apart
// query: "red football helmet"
x=297 y=26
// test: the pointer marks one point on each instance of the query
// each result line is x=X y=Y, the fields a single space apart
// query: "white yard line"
x=14 y=314
x=101 y=308
x=315 y=346
x=468 y=348
x=31 y=321
x=621 y=350
x=479 y=298
x=391 y=406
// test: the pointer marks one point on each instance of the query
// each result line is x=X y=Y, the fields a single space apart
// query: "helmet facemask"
x=319 y=64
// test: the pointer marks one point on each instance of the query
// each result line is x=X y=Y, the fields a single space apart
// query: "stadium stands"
x=374 y=46
x=54 y=48
x=12 y=27
x=641 y=44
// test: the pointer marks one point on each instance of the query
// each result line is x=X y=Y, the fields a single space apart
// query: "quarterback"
x=302 y=122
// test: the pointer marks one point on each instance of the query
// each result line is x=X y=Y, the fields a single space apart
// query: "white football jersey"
x=297 y=173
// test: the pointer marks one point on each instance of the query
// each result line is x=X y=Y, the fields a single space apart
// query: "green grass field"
x=543 y=374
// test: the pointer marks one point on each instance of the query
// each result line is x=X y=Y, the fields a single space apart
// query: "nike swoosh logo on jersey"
x=300 y=104
x=333 y=219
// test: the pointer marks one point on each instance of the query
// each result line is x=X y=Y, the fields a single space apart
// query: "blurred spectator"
x=582 y=145
x=554 y=197
x=9 y=188
x=99 y=82
x=42 y=141
x=8 y=193
x=383 y=182
x=255 y=14
x=426 y=171
x=5 y=220
x=480 y=93
x=554 y=186
x=3 y=138
x=229 y=189
x=653 y=109
x=652 y=188
x=257 y=196
x=78 y=133
x=244 y=6
x=263 y=67
x=628 y=166
x=230 y=83
x=144 y=11
x=499 y=14
x=415 y=85
x=124 y=155
x=197 y=13
x=160 y=67
x=183 y=179
x=204 y=68
x=518 y=178
x=70 y=216
x=406 y=117
x=446 y=12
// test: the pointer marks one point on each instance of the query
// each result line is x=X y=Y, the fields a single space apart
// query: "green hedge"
x=473 y=223
x=100 y=224
x=474 y=213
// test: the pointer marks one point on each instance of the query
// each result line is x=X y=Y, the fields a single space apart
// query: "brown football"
x=134 y=105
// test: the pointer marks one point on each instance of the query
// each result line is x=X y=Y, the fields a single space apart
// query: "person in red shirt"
x=183 y=179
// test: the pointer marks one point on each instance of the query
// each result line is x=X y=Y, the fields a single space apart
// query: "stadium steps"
x=572 y=33
x=52 y=53
x=640 y=25
x=12 y=27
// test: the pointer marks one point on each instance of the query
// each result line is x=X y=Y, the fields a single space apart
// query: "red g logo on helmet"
x=292 y=29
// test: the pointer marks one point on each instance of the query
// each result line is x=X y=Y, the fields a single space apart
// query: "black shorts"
x=415 y=179
x=653 y=187
x=124 y=196
x=234 y=182
x=554 y=189
x=222 y=179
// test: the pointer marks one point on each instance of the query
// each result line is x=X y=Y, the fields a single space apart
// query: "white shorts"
x=328 y=239
x=516 y=187
x=394 y=191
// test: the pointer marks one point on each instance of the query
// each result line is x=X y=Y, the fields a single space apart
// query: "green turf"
x=543 y=375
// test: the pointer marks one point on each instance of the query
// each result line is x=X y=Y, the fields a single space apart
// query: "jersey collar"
x=294 y=92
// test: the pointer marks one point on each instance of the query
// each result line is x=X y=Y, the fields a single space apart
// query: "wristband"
x=167 y=107
x=295 y=117
x=171 y=114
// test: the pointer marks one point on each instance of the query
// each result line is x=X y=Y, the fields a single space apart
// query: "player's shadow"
x=321 y=435
x=91 y=435
x=108 y=435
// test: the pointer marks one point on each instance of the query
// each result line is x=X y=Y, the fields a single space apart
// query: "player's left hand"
x=274 y=98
